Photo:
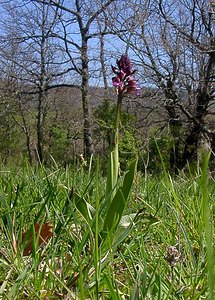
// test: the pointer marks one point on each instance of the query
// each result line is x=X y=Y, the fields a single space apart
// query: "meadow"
x=158 y=244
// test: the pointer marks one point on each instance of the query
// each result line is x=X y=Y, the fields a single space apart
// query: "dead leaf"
x=45 y=233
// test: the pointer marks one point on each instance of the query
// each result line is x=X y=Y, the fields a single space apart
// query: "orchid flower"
x=124 y=81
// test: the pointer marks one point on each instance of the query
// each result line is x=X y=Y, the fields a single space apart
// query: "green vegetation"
x=129 y=260
x=129 y=139
x=71 y=233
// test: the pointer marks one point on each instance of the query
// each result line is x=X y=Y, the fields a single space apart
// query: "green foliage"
x=128 y=147
x=104 y=116
x=118 y=204
x=129 y=139
x=11 y=139
x=151 y=241
x=164 y=145
x=106 y=215
x=59 y=143
x=132 y=262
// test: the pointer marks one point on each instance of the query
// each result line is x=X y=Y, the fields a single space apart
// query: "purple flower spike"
x=124 y=82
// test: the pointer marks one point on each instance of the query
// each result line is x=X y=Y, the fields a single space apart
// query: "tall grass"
x=132 y=262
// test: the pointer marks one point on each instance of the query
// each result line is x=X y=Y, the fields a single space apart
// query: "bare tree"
x=174 y=43
x=196 y=26
x=39 y=60
x=78 y=27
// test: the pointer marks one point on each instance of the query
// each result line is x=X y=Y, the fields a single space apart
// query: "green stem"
x=113 y=166
x=115 y=141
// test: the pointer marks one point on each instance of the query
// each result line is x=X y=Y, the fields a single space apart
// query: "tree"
x=196 y=28
x=38 y=59
x=78 y=27
x=174 y=44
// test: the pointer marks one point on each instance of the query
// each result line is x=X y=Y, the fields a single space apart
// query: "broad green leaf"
x=114 y=213
x=127 y=223
x=117 y=206
x=127 y=220
x=128 y=180
x=86 y=210
x=140 y=216
x=112 y=175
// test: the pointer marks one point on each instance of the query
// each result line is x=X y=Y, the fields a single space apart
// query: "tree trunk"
x=197 y=127
x=203 y=98
x=41 y=108
x=40 y=127
x=190 y=147
x=88 y=144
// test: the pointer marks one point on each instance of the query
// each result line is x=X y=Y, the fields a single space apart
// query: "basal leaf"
x=86 y=210
x=117 y=206
x=112 y=175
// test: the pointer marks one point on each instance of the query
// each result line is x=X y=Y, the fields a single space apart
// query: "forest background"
x=56 y=97
x=70 y=227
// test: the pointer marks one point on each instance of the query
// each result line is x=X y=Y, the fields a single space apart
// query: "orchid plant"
x=105 y=220
x=125 y=84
